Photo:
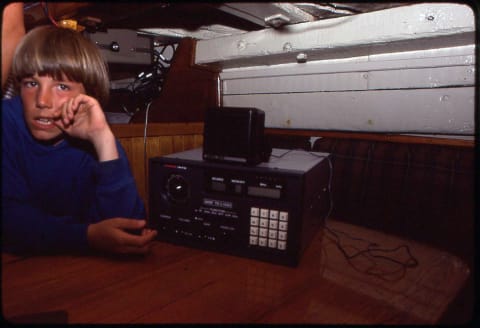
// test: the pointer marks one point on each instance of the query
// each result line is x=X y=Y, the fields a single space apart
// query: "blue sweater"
x=51 y=193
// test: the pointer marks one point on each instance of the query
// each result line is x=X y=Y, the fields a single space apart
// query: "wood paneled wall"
x=161 y=139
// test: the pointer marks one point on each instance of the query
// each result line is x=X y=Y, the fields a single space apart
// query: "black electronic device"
x=268 y=212
x=235 y=135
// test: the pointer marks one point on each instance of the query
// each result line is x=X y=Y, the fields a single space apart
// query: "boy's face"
x=43 y=98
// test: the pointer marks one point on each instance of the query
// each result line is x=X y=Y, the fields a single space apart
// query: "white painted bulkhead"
x=403 y=70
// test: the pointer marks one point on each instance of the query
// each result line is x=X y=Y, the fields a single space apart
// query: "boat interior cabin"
x=387 y=88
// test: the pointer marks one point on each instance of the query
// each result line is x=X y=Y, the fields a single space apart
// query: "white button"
x=272 y=224
x=283 y=216
x=254 y=211
x=263 y=232
x=254 y=231
x=264 y=223
x=272 y=234
x=262 y=242
x=254 y=221
x=253 y=240
x=264 y=213
x=273 y=215
x=272 y=243
x=282 y=235
x=282 y=245
x=283 y=226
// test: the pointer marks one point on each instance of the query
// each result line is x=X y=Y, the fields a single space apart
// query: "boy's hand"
x=82 y=117
x=111 y=235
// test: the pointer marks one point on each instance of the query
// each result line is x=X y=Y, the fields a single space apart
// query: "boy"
x=66 y=181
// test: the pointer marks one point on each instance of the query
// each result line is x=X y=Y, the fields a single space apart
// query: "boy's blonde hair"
x=62 y=53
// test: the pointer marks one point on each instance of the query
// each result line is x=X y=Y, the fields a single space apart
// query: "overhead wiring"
x=148 y=84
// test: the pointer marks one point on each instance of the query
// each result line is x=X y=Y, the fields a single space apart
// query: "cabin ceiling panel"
x=190 y=17
x=409 y=28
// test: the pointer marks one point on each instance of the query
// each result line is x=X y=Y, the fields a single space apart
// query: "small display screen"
x=237 y=189
x=218 y=186
x=264 y=192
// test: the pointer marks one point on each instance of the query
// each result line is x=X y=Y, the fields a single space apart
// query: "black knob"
x=177 y=188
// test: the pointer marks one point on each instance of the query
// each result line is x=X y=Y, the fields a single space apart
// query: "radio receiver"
x=268 y=212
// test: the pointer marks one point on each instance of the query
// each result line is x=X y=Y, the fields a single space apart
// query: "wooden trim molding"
x=195 y=128
x=400 y=138
x=156 y=129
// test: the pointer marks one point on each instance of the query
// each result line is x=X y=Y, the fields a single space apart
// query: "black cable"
x=147 y=85
x=371 y=253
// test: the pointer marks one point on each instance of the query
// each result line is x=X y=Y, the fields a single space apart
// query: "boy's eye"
x=29 y=83
x=63 y=87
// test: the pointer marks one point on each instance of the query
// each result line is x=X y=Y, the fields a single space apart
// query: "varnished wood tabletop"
x=175 y=284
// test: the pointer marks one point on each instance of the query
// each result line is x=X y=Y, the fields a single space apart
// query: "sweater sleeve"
x=116 y=190
x=27 y=229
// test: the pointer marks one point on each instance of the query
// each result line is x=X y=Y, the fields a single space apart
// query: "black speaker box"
x=235 y=135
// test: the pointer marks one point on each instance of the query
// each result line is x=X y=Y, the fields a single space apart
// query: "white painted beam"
x=350 y=75
x=420 y=78
x=442 y=57
x=433 y=111
x=409 y=28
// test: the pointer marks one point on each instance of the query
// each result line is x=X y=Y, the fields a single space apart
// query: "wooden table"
x=176 y=284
